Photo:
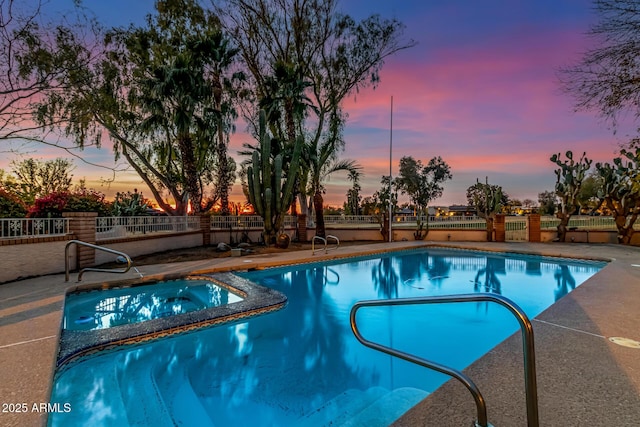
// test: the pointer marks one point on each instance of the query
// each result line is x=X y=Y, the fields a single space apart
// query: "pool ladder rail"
x=326 y=242
x=527 y=343
x=122 y=258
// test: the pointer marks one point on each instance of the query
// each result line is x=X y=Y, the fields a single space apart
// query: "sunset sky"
x=480 y=90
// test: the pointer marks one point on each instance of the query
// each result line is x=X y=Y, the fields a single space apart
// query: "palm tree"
x=321 y=161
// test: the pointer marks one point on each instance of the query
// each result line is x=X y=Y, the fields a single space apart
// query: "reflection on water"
x=120 y=306
x=300 y=363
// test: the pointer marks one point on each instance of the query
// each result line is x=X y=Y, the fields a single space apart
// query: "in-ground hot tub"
x=103 y=316
x=101 y=309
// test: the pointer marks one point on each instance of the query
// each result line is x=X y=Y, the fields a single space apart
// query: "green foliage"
x=621 y=191
x=87 y=200
x=486 y=198
x=305 y=59
x=268 y=194
x=82 y=200
x=163 y=93
x=423 y=184
x=11 y=206
x=37 y=178
x=352 y=205
x=588 y=198
x=547 y=203
x=569 y=178
x=378 y=203
x=129 y=204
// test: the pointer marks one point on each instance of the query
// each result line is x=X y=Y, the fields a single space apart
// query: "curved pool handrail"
x=313 y=244
x=326 y=242
x=329 y=236
x=101 y=248
x=527 y=339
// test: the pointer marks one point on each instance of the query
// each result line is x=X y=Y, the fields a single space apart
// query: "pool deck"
x=583 y=378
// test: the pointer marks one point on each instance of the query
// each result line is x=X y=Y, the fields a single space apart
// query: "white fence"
x=245 y=222
x=129 y=226
x=14 y=228
x=120 y=227
x=584 y=222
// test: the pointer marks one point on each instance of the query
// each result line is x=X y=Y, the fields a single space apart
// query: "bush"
x=11 y=206
x=50 y=206
x=54 y=204
x=88 y=201
x=130 y=204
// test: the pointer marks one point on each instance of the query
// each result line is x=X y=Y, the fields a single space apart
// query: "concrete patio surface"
x=583 y=378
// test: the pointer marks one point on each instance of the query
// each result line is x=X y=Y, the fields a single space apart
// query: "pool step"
x=388 y=408
x=144 y=405
x=184 y=405
x=376 y=406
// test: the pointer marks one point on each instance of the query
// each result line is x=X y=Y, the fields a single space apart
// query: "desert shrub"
x=129 y=204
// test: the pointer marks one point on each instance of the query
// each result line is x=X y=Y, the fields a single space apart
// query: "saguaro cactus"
x=569 y=180
x=270 y=197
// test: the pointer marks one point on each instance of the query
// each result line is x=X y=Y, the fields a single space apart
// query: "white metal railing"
x=126 y=226
x=586 y=222
x=350 y=219
x=244 y=222
x=13 y=228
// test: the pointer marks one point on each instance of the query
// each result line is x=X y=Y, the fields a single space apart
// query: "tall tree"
x=352 y=205
x=607 y=79
x=155 y=91
x=34 y=54
x=547 y=203
x=423 y=183
x=38 y=178
x=383 y=199
x=304 y=58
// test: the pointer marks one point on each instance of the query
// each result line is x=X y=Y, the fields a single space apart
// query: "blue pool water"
x=301 y=365
x=101 y=309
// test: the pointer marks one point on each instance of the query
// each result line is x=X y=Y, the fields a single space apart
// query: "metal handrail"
x=101 y=248
x=325 y=241
x=527 y=343
x=329 y=236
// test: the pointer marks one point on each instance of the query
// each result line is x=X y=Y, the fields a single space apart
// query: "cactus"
x=488 y=200
x=569 y=178
x=268 y=195
x=621 y=191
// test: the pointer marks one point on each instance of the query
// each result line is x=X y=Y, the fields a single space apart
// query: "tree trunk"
x=190 y=170
x=489 y=221
x=317 y=205
x=562 y=227
x=625 y=231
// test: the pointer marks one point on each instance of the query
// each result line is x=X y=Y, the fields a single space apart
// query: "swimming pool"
x=301 y=365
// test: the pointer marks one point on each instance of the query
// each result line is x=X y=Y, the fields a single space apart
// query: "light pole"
x=390 y=161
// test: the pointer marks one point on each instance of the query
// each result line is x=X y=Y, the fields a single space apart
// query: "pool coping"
x=582 y=378
x=256 y=300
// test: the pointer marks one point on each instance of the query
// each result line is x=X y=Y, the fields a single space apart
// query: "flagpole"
x=390 y=162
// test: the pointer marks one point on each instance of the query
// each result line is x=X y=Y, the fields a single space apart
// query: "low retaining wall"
x=587 y=236
x=147 y=245
x=20 y=261
x=351 y=234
